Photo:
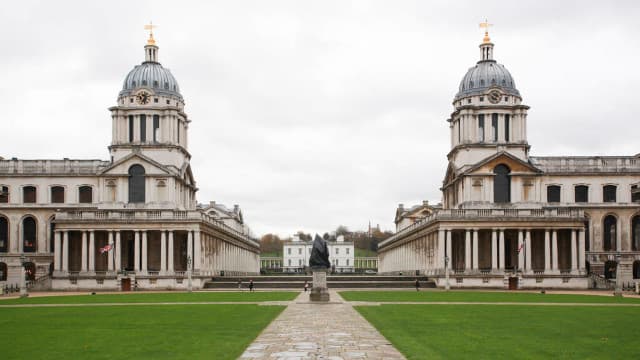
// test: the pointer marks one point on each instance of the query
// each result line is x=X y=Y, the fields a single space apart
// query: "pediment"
x=151 y=167
x=516 y=165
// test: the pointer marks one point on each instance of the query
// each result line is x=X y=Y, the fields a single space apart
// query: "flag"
x=106 y=248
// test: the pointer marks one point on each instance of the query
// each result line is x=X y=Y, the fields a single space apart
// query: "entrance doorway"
x=513 y=283
x=126 y=284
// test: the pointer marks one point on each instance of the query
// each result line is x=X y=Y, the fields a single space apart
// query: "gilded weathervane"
x=485 y=25
x=150 y=27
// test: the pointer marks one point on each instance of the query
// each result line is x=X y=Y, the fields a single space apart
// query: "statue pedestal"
x=319 y=291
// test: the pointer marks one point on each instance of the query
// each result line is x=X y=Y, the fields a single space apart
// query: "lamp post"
x=23 y=285
x=189 y=286
x=618 y=289
x=447 y=286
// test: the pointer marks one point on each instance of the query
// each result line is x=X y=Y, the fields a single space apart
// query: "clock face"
x=143 y=97
x=494 y=96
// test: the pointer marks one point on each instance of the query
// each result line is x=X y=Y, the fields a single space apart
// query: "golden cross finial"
x=486 y=26
x=150 y=27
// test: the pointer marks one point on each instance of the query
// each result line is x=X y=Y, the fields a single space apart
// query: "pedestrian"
x=417 y=285
x=250 y=285
x=306 y=286
x=239 y=284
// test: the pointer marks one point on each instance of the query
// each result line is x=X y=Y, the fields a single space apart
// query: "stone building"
x=296 y=254
x=509 y=219
x=141 y=204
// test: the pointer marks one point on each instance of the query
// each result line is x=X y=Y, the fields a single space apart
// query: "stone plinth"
x=319 y=290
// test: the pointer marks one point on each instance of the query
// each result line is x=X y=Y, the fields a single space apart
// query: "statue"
x=319 y=258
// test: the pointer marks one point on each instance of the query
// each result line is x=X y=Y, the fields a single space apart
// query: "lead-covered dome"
x=486 y=74
x=150 y=75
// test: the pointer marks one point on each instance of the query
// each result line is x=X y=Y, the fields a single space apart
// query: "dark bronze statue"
x=319 y=254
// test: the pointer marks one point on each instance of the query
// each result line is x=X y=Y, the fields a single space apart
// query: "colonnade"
x=366 y=263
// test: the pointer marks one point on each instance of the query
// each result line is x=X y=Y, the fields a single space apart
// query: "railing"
x=601 y=282
x=478 y=214
x=65 y=166
x=587 y=164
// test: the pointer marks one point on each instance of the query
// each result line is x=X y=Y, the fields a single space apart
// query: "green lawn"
x=132 y=332
x=513 y=332
x=477 y=296
x=141 y=297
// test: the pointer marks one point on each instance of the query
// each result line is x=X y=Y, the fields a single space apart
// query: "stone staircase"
x=333 y=282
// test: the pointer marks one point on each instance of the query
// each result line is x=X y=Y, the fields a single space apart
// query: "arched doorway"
x=636 y=269
x=29 y=234
x=501 y=184
x=3 y=271
x=609 y=233
x=30 y=271
x=635 y=233
x=610 y=268
x=4 y=234
x=136 y=184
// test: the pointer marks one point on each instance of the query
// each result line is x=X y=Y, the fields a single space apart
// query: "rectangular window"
x=494 y=126
x=507 y=117
x=29 y=194
x=299 y=251
x=337 y=251
x=143 y=127
x=57 y=194
x=609 y=193
x=582 y=193
x=553 y=194
x=635 y=193
x=156 y=128
x=289 y=251
x=337 y=262
x=130 y=128
x=348 y=251
x=481 y=127
x=4 y=194
x=178 y=140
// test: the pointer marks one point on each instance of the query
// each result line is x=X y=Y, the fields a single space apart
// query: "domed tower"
x=149 y=118
x=488 y=116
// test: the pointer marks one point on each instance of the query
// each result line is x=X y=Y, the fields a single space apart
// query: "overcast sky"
x=312 y=114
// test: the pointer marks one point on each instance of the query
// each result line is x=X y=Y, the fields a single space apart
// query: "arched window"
x=501 y=184
x=582 y=193
x=4 y=234
x=636 y=269
x=136 y=184
x=3 y=271
x=553 y=194
x=609 y=193
x=610 y=233
x=57 y=194
x=85 y=194
x=29 y=194
x=29 y=231
x=635 y=233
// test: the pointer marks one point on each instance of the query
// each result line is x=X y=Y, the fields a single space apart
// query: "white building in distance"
x=295 y=255
x=141 y=203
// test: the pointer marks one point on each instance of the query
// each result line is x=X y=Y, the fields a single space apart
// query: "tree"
x=342 y=230
x=270 y=243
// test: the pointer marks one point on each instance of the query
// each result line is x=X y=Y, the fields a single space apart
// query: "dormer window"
x=155 y=83
x=133 y=83
x=166 y=86
x=144 y=82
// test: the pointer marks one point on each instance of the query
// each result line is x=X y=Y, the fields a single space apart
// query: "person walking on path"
x=250 y=285
x=417 y=285
x=239 y=284
x=306 y=286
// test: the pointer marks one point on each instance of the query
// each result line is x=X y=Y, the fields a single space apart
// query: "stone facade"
x=140 y=205
x=509 y=219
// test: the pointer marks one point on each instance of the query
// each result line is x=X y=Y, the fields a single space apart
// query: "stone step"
x=297 y=282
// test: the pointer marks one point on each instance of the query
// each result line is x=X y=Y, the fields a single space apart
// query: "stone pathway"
x=332 y=331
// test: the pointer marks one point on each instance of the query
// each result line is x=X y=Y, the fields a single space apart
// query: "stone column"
x=83 y=255
x=467 y=249
x=92 y=250
x=527 y=249
x=502 y=254
x=197 y=251
x=547 y=251
x=521 y=249
x=581 y=251
x=494 y=249
x=136 y=251
x=57 y=263
x=441 y=248
x=190 y=249
x=475 y=250
x=449 y=249
x=110 y=253
x=144 y=251
x=65 y=251
x=170 y=253
x=574 y=250
x=554 y=249
x=118 y=252
x=163 y=251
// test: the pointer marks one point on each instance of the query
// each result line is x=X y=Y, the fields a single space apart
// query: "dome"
x=486 y=74
x=151 y=75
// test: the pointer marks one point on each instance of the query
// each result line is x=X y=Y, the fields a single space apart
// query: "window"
x=4 y=194
x=609 y=193
x=130 y=128
x=4 y=234
x=553 y=193
x=136 y=184
x=347 y=262
x=481 y=127
x=337 y=251
x=299 y=251
x=348 y=251
x=587 y=235
x=501 y=184
x=635 y=193
x=143 y=127
x=289 y=260
x=156 y=127
x=289 y=251
x=85 y=194
x=610 y=234
x=635 y=233
x=29 y=232
x=507 y=130
x=482 y=97
x=57 y=194
x=155 y=100
x=494 y=126
x=3 y=271
x=178 y=132
x=337 y=262
x=468 y=101
x=581 y=193
x=29 y=194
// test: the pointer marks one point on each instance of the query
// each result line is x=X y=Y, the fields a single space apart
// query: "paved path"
x=331 y=331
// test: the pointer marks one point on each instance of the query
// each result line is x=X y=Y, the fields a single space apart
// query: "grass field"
x=477 y=296
x=132 y=332
x=141 y=297
x=513 y=332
